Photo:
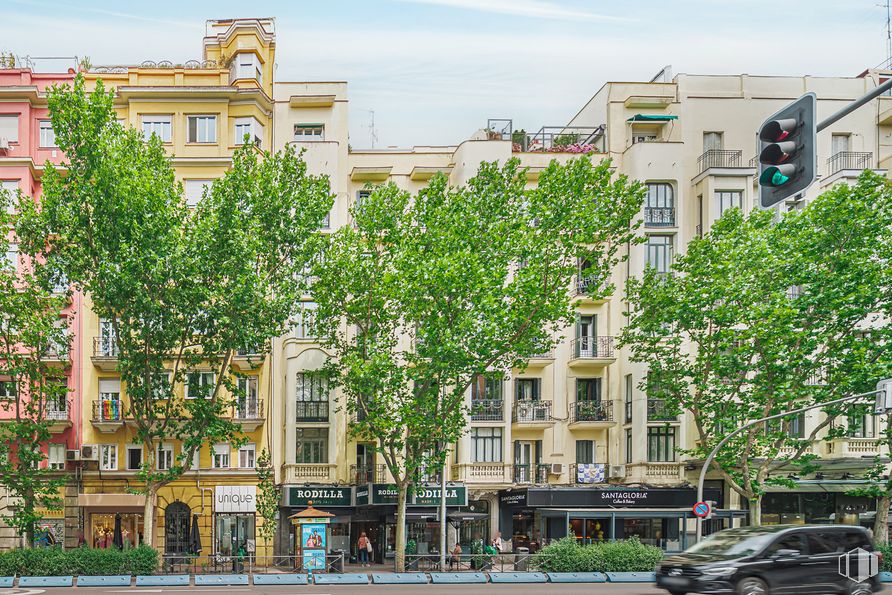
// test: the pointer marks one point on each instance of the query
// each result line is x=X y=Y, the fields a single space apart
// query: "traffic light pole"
x=854 y=105
x=708 y=462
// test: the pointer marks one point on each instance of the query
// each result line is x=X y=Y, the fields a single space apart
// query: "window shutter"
x=9 y=128
x=538 y=451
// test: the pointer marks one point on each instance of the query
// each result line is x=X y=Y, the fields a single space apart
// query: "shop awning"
x=458 y=517
x=819 y=485
x=651 y=118
x=111 y=501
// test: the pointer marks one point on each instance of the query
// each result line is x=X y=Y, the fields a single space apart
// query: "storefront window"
x=660 y=532
x=522 y=531
x=589 y=531
x=235 y=534
x=471 y=531
x=102 y=529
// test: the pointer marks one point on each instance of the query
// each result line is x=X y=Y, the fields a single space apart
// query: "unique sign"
x=320 y=496
x=701 y=509
x=235 y=499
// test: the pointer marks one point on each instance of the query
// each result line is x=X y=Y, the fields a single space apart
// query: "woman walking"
x=364 y=545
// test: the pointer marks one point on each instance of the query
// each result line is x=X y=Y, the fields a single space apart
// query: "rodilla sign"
x=235 y=499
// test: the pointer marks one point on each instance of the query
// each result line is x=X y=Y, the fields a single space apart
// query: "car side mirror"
x=785 y=553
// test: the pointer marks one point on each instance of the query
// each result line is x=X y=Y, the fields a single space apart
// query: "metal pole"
x=724 y=440
x=443 y=514
x=854 y=105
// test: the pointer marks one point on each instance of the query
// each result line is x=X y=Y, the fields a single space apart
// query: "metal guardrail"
x=531 y=412
x=105 y=347
x=592 y=348
x=248 y=409
x=659 y=216
x=108 y=410
x=718 y=158
x=312 y=411
x=371 y=474
x=487 y=410
x=583 y=411
x=530 y=473
x=658 y=411
x=58 y=410
x=854 y=160
x=586 y=282
x=246 y=563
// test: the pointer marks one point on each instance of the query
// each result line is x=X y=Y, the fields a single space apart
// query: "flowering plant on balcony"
x=576 y=148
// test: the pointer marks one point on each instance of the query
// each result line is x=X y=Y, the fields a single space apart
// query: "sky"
x=434 y=71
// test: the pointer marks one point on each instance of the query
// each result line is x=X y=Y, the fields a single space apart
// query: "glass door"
x=523 y=461
x=586 y=331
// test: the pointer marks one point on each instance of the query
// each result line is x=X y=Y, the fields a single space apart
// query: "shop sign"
x=385 y=494
x=320 y=496
x=613 y=497
x=513 y=498
x=235 y=499
x=362 y=495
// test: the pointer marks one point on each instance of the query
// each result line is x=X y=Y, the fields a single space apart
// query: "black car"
x=776 y=559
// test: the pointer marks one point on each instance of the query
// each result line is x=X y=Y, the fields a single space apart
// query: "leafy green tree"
x=758 y=318
x=33 y=340
x=184 y=290
x=426 y=291
x=268 y=494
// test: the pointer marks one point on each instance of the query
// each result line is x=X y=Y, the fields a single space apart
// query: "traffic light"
x=884 y=397
x=787 y=151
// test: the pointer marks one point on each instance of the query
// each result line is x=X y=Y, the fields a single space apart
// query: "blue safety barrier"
x=163 y=580
x=221 y=579
x=352 y=578
x=886 y=577
x=632 y=577
x=517 y=577
x=280 y=579
x=46 y=581
x=117 y=580
x=6 y=581
x=399 y=578
x=577 y=577
x=457 y=578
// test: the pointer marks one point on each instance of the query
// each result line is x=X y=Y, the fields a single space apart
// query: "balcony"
x=851 y=161
x=657 y=410
x=308 y=473
x=543 y=358
x=718 y=158
x=360 y=474
x=58 y=414
x=591 y=412
x=105 y=353
x=659 y=216
x=585 y=284
x=108 y=415
x=488 y=410
x=588 y=473
x=312 y=411
x=480 y=473
x=596 y=351
x=245 y=360
x=248 y=413
x=56 y=356
x=852 y=447
x=532 y=413
x=530 y=473
x=663 y=472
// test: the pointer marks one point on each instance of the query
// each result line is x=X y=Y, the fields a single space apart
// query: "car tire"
x=860 y=589
x=752 y=586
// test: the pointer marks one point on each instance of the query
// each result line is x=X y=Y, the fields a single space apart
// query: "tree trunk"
x=400 y=555
x=881 y=522
x=756 y=510
x=148 y=531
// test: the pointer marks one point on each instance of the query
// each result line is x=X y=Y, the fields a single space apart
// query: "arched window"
x=176 y=528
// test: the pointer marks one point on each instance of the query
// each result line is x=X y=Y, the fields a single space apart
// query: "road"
x=524 y=589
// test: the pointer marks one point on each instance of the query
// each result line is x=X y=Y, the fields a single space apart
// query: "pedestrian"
x=364 y=545
x=455 y=559
x=497 y=541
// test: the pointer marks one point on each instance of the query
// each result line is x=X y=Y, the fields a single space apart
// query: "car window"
x=826 y=543
x=788 y=542
x=855 y=539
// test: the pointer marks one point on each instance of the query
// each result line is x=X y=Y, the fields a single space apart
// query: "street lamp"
x=883 y=395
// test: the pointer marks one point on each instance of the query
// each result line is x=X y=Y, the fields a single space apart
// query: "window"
x=628 y=398
x=588 y=389
x=247 y=66
x=526 y=389
x=861 y=425
x=108 y=457
x=55 y=455
x=47 y=135
x=727 y=200
x=250 y=127
x=306 y=319
x=839 y=143
x=628 y=445
x=585 y=451
x=9 y=127
x=246 y=455
x=7 y=389
x=161 y=385
x=109 y=389
x=712 y=141
x=658 y=253
x=361 y=198
x=486 y=444
x=659 y=206
x=199 y=385
x=11 y=187
x=134 y=458
x=201 y=129
x=309 y=132
x=661 y=444
x=158 y=125
x=486 y=387
x=194 y=190
x=644 y=135
x=221 y=456
x=12 y=255
x=311 y=388
x=165 y=457
x=311 y=446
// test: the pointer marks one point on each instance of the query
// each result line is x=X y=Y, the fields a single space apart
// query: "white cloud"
x=525 y=8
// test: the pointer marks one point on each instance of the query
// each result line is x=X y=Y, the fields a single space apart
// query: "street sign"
x=702 y=509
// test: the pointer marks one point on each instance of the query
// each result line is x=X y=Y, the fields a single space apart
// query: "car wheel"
x=860 y=589
x=752 y=586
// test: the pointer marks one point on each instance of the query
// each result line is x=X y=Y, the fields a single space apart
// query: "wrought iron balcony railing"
x=659 y=216
x=108 y=410
x=248 y=409
x=657 y=410
x=531 y=412
x=487 y=410
x=360 y=474
x=849 y=160
x=583 y=411
x=312 y=411
x=592 y=347
x=105 y=347
x=530 y=473
x=718 y=158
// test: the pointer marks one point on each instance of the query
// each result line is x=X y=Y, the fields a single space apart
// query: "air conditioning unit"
x=617 y=471
x=90 y=452
x=4 y=143
x=73 y=455
x=557 y=468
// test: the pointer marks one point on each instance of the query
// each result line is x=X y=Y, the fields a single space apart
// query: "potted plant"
x=411 y=555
